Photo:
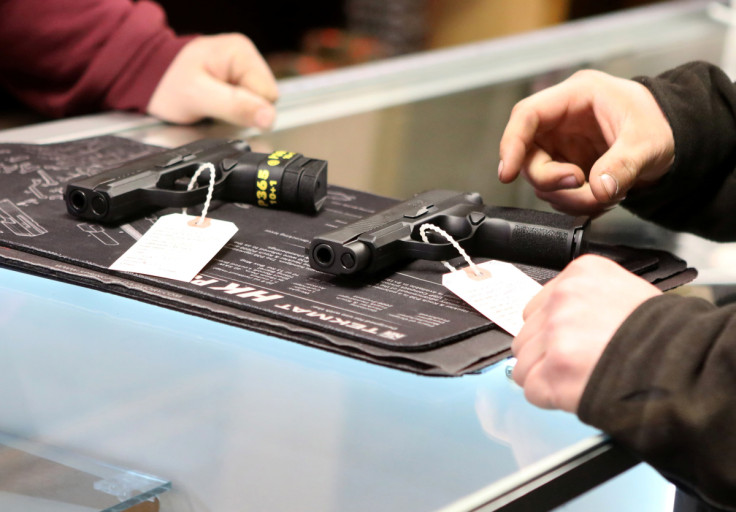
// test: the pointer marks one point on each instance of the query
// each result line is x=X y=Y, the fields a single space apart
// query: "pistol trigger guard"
x=179 y=198
x=430 y=251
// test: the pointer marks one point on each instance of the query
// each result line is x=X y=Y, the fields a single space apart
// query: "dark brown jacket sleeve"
x=665 y=387
x=698 y=194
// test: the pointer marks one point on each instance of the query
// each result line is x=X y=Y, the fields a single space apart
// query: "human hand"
x=568 y=324
x=222 y=77
x=585 y=142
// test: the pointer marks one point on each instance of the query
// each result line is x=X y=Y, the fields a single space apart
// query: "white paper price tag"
x=176 y=247
x=500 y=293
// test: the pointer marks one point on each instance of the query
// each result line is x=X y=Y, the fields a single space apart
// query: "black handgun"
x=393 y=236
x=281 y=179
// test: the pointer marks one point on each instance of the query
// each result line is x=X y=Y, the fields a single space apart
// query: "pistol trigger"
x=228 y=163
x=476 y=218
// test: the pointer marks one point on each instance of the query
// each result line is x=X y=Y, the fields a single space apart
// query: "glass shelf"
x=38 y=477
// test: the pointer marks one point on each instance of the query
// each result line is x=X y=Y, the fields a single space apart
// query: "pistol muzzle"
x=337 y=258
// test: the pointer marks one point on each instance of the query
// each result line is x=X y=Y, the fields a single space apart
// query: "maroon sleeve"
x=74 y=56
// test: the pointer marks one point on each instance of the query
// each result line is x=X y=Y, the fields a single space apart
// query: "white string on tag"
x=210 y=189
x=423 y=233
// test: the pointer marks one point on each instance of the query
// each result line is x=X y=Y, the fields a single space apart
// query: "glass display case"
x=243 y=421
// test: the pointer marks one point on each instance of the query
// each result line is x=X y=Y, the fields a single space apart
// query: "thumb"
x=616 y=171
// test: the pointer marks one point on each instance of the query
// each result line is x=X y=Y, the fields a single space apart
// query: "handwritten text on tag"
x=176 y=247
x=500 y=293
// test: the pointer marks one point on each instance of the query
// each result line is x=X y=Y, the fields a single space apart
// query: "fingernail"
x=264 y=118
x=610 y=184
x=500 y=169
x=568 y=182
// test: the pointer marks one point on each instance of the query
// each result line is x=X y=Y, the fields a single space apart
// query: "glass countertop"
x=242 y=421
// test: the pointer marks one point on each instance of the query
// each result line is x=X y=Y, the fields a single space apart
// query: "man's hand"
x=585 y=142
x=222 y=77
x=567 y=326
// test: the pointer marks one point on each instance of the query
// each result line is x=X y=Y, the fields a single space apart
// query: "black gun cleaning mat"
x=261 y=280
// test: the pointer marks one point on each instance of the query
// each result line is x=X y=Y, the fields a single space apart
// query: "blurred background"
x=299 y=38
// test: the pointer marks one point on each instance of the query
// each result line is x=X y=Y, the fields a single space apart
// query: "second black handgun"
x=392 y=236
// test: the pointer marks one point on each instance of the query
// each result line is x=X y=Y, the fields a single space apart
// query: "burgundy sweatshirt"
x=65 y=57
